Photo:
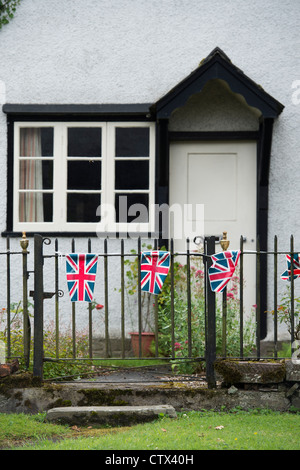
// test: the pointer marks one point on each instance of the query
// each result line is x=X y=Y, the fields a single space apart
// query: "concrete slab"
x=293 y=370
x=253 y=372
x=111 y=415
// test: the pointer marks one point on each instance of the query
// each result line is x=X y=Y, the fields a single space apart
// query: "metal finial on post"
x=26 y=321
x=224 y=242
x=24 y=242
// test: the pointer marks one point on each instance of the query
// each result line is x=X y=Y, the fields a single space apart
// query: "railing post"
x=73 y=314
x=123 y=298
x=242 y=297
x=210 y=354
x=188 y=289
x=292 y=295
x=107 y=341
x=90 y=314
x=172 y=299
x=225 y=245
x=38 y=352
x=139 y=297
x=8 y=353
x=155 y=303
x=275 y=300
x=56 y=302
x=26 y=321
x=258 y=299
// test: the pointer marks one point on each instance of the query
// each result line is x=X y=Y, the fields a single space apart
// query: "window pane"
x=129 y=207
x=132 y=142
x=36 y=174
x=35 y=207
x=84 y=175
x=84 y=142
x=132 y=174
x=36 y=142
x=83 y=207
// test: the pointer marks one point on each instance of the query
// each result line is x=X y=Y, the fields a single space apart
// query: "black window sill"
x=112 y=235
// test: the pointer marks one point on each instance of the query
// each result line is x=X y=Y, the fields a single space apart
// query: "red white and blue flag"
x=154 y=269
x=81 y=275
x=222 y=269
x=286 y=275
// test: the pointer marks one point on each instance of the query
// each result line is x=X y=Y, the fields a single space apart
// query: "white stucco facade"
x=135 y=51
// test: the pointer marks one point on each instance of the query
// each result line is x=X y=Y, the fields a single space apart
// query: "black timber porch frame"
x=218 y=66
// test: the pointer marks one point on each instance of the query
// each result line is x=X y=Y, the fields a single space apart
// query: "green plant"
x=53 y=368
x=62 y=365
x=131 y=289
x=285 y=351
x=7 y=10
x=178 y=326
x=197 y=315
x=284 y=313
x=16 y=329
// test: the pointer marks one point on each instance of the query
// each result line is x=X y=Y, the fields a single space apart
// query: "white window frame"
x=60 y=158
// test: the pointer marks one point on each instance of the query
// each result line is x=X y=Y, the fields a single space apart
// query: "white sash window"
x=84 y=176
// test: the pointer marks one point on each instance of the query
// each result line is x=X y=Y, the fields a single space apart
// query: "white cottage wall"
x=134 y=51
x=215 y=108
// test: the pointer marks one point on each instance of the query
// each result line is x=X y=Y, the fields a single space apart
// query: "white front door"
x=222 y=177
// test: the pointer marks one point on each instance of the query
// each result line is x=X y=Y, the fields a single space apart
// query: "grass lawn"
x=206 y=430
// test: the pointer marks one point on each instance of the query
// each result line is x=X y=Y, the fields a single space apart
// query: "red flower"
x=199 y=273
x=99 y=307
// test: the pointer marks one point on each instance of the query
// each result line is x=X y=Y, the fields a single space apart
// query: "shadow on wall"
x=2 y=92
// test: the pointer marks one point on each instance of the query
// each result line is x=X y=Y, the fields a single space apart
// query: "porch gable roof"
x=217 y=65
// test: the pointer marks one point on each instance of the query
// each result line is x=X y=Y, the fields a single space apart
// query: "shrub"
x=198 y=321
x=284 y=313
x=181 y=346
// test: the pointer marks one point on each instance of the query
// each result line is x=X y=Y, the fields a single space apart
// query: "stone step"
x=111 y=415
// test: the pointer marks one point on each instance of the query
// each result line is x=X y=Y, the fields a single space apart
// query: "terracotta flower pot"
x=146 y=341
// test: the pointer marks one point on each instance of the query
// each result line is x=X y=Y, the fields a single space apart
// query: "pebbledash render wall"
x=134 y=51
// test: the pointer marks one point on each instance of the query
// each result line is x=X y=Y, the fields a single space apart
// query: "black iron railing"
x=214 y=305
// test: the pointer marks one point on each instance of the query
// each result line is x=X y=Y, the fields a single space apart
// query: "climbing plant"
x=7 y=10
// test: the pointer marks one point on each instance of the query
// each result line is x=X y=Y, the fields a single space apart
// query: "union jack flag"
x=286 y=275
x=222 y=269
x=154 y=269
x=81 y=276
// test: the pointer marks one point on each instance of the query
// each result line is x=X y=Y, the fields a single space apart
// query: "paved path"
x=146 y=375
